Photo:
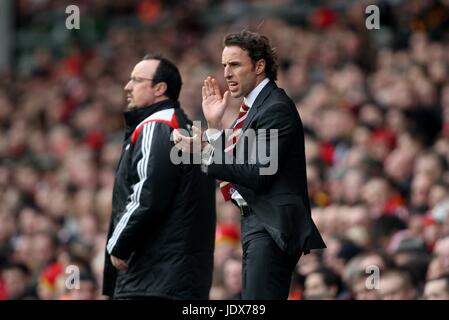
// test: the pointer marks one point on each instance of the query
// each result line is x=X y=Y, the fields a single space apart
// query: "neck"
x=259 y=79
x=159 y=99
x=156 y=100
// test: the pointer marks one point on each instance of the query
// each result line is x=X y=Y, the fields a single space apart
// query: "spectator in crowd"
x=437 y=289
x=323 y=284
x=396 y=284
x=17 y=281
x=88 y=288
x=232 y=275
x=364 y=288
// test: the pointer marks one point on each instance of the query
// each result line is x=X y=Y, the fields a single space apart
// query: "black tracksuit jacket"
x=163 y=214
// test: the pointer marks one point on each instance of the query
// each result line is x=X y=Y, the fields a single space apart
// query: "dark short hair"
x=17 y=266
x=258 y=47
x=166 y=72
x=88 y=276
x=330 y=278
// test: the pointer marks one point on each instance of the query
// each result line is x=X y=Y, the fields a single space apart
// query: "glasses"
x=139 y=79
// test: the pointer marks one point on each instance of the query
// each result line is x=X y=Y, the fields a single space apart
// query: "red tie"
x=227 y=188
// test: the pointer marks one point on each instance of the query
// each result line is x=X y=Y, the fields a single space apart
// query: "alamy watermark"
x=73 y=20
x=259 y=147
x=373 y=280
x=373 y=20
x=72 y=280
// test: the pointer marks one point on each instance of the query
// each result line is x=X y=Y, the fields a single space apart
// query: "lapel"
x=259 y=101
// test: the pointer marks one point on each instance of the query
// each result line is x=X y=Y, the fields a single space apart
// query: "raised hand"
x=214 y=105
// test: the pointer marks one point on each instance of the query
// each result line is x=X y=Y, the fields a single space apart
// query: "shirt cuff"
x=207 y=155
x=213 y=134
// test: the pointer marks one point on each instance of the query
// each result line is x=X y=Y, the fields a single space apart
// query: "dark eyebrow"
x=231 y=63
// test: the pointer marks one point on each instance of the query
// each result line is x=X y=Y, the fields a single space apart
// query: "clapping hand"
x=186 y=143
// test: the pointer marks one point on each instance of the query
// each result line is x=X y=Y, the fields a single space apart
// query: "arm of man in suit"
x=279 y=117
x=214 y=106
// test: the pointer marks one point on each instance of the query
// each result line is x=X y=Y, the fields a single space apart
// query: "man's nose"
x=227 y=72
x=128 y=86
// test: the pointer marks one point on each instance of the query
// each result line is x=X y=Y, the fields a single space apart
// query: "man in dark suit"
x=276 y=221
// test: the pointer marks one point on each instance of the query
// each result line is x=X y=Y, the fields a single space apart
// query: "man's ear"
x=260 y=66
x=160 y=89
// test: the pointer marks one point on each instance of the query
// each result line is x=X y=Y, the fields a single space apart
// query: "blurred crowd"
x=374 y=105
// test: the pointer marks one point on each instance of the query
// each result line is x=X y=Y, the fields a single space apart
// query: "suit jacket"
x=280 y=200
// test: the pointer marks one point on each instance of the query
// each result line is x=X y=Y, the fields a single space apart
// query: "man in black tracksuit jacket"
x=161 y=236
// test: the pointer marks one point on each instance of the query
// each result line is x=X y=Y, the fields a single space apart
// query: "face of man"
x=394 y=287
x=15 y=282
x=436 y=290
x=140 y=89
x=233 y=276
x=86 y=291
x=241 y=75
x=362 y=292
x=315 y=288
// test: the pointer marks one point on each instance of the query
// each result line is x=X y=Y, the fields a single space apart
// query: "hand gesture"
x=186 y=143
x=214 y=105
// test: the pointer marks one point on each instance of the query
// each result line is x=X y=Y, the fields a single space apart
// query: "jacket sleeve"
x=275 y=130
x=154 y=179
